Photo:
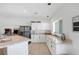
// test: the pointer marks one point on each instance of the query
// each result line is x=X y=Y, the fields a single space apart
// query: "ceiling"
x=28 y=10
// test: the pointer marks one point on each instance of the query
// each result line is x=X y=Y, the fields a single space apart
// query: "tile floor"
x=38 y=49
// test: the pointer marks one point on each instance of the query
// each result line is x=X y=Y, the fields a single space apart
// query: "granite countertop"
x=47 y=33
x=58 y=39
x=13 y=40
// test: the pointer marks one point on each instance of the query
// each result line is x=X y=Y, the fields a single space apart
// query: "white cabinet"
x=42 y=38
x=61 y=49
x=58 y=47
x=64 y=49
x=37 y=30
x=40 y=26
x=38 y=38
x=18 y=49
x=35 y=38
x=51 y=45
x=34 y=26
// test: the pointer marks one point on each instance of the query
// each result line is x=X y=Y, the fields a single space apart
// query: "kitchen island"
x=57 y=46
x=14 y=45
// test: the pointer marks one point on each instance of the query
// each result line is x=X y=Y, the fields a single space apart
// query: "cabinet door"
x=53 y=49
x=42 y=38
x=32 y=37
x=34 y=26
x=18 y=49
x=38 y=38
x=35 y=38
x=49 y=43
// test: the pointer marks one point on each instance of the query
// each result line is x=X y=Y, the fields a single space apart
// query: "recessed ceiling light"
x=36 y=13
x=49 y=3
x=47 y=16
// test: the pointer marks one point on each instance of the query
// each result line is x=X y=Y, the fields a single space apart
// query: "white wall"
x=66 y=13
x=13 y=23
x=16 y=22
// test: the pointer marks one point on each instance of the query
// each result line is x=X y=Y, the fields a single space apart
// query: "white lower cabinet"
x=18 y=49
x=35 y=38
x=53 y=49
x=61 y=49
x=64 y=49
x=38 y=38
x=51 y=45
x=58 y=47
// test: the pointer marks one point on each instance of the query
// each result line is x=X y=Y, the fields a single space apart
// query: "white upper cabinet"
x=37 y=30
x=40 y=26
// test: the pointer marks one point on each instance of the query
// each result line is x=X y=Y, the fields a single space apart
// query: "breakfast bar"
x=14 y=45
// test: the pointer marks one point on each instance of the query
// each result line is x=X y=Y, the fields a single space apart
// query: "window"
x=57 y=27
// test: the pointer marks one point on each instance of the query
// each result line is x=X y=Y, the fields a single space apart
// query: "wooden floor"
x=3 y=51
x=38 y=49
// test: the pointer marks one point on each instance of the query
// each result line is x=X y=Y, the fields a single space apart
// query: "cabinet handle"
x=51 y=46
